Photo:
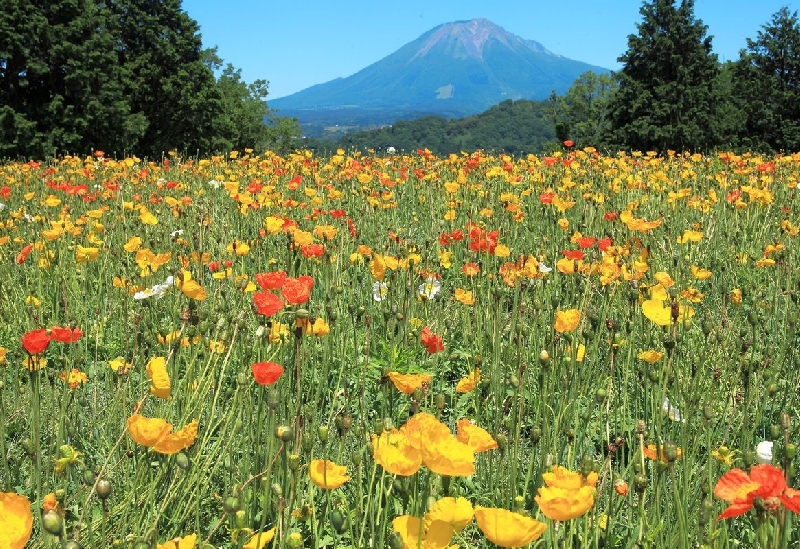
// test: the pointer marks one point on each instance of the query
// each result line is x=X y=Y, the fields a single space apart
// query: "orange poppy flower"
x=765 y=482
x=567 y=321
x=408 y=383
x=297 y=291
x=66 y=335
x=477 y=438
x=186 y=542
x=271 y=281
x=567 y=494
x=36 y=341
x=160 y=384
x=267 y=303
x=393 y=451
x=468 y=383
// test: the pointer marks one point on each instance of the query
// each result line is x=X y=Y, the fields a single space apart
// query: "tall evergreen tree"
x=667 y=91
x=766 y=85
x=582 y=113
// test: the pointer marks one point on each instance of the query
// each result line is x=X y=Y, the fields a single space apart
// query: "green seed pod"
x=774 y=432
x=103 y=488
x=339 y=521
x=88 y=477
x=790 y=450
x=240 y=519
x=600 y=395
x=52 y=523
x=231 y=504
x=294 y=462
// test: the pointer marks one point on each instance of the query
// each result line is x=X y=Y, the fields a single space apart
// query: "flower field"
x=400 y=350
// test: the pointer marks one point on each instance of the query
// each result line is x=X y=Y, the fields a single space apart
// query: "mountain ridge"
x=455 y=69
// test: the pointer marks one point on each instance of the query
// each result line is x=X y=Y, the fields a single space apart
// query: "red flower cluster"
x=445 y=239
x=294 y=291
x=482 y=241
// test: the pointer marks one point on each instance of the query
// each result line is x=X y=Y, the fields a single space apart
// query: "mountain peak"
x=468 y=38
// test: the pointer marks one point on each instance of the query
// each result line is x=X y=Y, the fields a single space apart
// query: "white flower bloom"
x=764 y=451
x=379 y=291
x=29 y=218
x=215 y=184
x=2 y=206
x=544 y=268
x=158 y=291
x=391 y=150
x=672 y=412
x=429 y=288
x=173 y=234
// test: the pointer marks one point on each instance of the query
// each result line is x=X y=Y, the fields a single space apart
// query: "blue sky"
x=294 y=45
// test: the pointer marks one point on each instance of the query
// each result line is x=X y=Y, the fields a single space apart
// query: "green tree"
x=124 y=76
x=766 y=85
x=582 y=114
x=667 y=93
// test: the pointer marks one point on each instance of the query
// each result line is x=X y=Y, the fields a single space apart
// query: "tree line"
x=124 y=76
x=672 y=93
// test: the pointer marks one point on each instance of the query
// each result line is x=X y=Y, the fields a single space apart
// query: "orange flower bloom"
x=765 y=482
x=468 y=383
x=408 y=383
x=567 y=321
x=435 y=534
x=271 y=281
x=567 y=494
x=66 y=335
x=36 y=341
x=24 y=254
x=186 y=542
x=326 y=474
x=160 y=384
x=474 y=436
x=157 y=433
x=432 y=342
x=267 y=303
x=297 y=291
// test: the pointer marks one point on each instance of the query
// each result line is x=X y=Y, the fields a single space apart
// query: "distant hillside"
x=515 y=127
x=454 y=70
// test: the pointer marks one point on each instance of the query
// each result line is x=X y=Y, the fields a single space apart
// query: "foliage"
x=127 y=76
x=582 y=114
x=766 y=82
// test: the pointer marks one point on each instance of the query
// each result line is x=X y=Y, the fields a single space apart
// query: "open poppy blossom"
x=66 y=335
x=267 y=303
x=432 y=342
x=36 y=341
x=267 y=373
x=766 y=484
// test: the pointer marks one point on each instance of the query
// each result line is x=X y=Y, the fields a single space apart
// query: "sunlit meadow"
x=400 y=350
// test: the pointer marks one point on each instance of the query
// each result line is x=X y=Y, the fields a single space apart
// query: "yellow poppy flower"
x=435 y=535
x=326 y=474
x=508 y=529
x=159 y=378
x=259 y=540
x=457 y=512
x=477 y=438
x=468 y=383
x=393 y=451
x=186 y=542
x=17 y=520
x=408 y=383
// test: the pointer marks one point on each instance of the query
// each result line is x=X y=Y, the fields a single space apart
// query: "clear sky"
x=294 y=44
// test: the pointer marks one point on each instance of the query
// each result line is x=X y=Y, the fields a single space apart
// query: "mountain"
x=454 y=70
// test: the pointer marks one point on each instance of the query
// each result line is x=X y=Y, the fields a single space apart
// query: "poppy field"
x=400 y=350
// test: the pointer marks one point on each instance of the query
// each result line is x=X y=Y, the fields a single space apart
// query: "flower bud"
x=240 y=519
x=284 y=432
x=621 y=487
x=790 y=450
x=544 y=358
x=231 y=504
x=182 y=461
x=294 y=462
x=339 y=521
x=294 y=539
x=670 y=451
x=322 y=433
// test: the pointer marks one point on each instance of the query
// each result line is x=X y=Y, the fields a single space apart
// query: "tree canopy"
x=128 y=76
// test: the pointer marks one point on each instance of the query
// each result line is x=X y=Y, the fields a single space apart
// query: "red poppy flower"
x=313 y=250
x=297 y=291
x=604 y=243
x=66 y=335
x=611 y=216
x=271 y=281
x=445 y=239
x=432 y=342
x=765 y=483
x=576 y=255
x=267 y=303
x=267 y=373
x=546 y=198
x=586 y=241
x=568 y=143
x=457 y=235
x=214 y=266
x=36 y=341
x=24 y=254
